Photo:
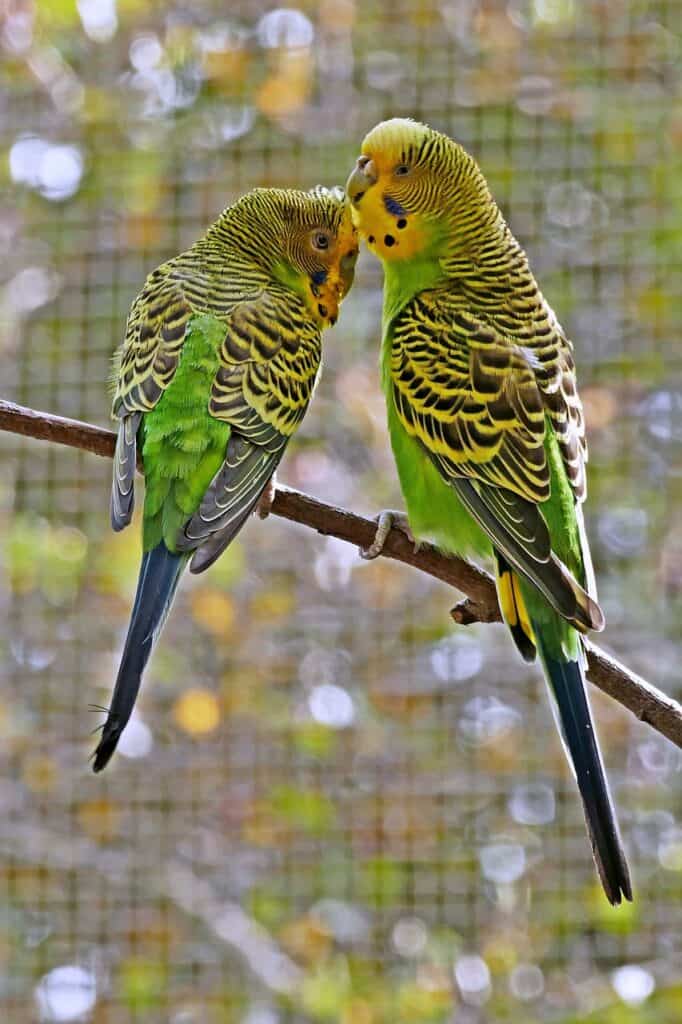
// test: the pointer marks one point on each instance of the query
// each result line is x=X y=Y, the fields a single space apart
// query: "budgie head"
x=414 y=191
x=307 y=240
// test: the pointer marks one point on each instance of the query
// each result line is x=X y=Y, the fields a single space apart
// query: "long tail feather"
x=160 y=572
x=572 y=709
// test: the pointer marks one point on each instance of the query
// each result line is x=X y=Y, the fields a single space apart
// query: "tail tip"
x=619 y=889
x=617 y=896
x=106 y=747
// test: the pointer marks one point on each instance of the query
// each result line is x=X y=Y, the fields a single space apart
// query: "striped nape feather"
x=265 y=221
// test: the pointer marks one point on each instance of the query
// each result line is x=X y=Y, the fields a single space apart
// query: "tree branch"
x=646 y=702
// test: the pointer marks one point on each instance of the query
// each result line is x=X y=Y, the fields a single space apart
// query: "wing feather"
x=268 y=366
x=269 y=363
x=229 y=500
x=123 y=481
x=145 y=365
x=471 y=398
x=477 y=403
x=155 y=333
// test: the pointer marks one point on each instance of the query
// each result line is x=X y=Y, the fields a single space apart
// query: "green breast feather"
x=183 y=446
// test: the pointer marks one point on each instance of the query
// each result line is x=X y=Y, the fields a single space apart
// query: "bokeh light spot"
x=98 y=18
x=527 y=982
x=60 y=172
x=410 y=936
x=197 y=712
x=532 y=803
x=332 y=705
x=286 y=28
x=457 y=658
x=472 y=975
x=503 y=863
x=136 y=739
x=66 y=994
x=145 y=51
x=634 y=984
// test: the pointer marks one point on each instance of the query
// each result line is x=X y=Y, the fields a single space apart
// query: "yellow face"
x=326 y=254
x=339 y=266
x=387 y=188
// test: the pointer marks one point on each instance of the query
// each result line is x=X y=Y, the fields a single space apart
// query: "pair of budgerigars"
x=219 y=363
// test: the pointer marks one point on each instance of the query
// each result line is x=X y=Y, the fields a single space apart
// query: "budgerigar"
x=220 y=359
x=485 y=421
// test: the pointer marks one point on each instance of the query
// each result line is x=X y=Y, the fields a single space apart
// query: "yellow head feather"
x=414 y=188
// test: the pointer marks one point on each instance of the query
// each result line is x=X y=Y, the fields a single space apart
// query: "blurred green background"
x=332 y=805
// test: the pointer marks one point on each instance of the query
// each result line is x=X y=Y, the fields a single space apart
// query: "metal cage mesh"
x=331 y=805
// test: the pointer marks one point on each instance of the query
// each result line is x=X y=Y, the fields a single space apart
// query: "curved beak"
x=347 y=269
x=362 y=177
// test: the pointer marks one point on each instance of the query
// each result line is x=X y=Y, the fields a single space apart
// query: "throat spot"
x=394 y=207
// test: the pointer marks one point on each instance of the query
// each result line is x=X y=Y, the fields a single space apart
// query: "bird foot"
x=386 y=521
x=264 y=503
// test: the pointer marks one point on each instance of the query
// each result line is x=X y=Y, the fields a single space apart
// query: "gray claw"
x=386 y=521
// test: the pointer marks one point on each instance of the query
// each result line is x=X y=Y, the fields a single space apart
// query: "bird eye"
x=401 y=170
x=320 y=240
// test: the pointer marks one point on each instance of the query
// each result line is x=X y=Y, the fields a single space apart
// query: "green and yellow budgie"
x=220 y=359
x=485 y=420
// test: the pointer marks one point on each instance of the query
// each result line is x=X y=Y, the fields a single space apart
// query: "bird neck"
x=483 y=256
x=403 y=279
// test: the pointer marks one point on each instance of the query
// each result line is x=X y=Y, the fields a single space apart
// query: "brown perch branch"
x=645 y=702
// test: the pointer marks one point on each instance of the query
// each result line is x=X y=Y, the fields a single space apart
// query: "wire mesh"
x=330 y=806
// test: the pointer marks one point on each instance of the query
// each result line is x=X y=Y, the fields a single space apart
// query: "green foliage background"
x=334 y=807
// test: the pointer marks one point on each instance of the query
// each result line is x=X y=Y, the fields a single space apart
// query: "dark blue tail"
x=580 y=740
x=156 y=585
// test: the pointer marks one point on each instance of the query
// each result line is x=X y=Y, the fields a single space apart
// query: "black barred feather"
x=479 y=409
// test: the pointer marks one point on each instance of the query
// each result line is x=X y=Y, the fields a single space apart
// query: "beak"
x=336 y=287
x=347 y=269
x=362 y=177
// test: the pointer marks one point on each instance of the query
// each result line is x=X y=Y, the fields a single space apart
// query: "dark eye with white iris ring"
x=401 y=170
x=320 y=240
